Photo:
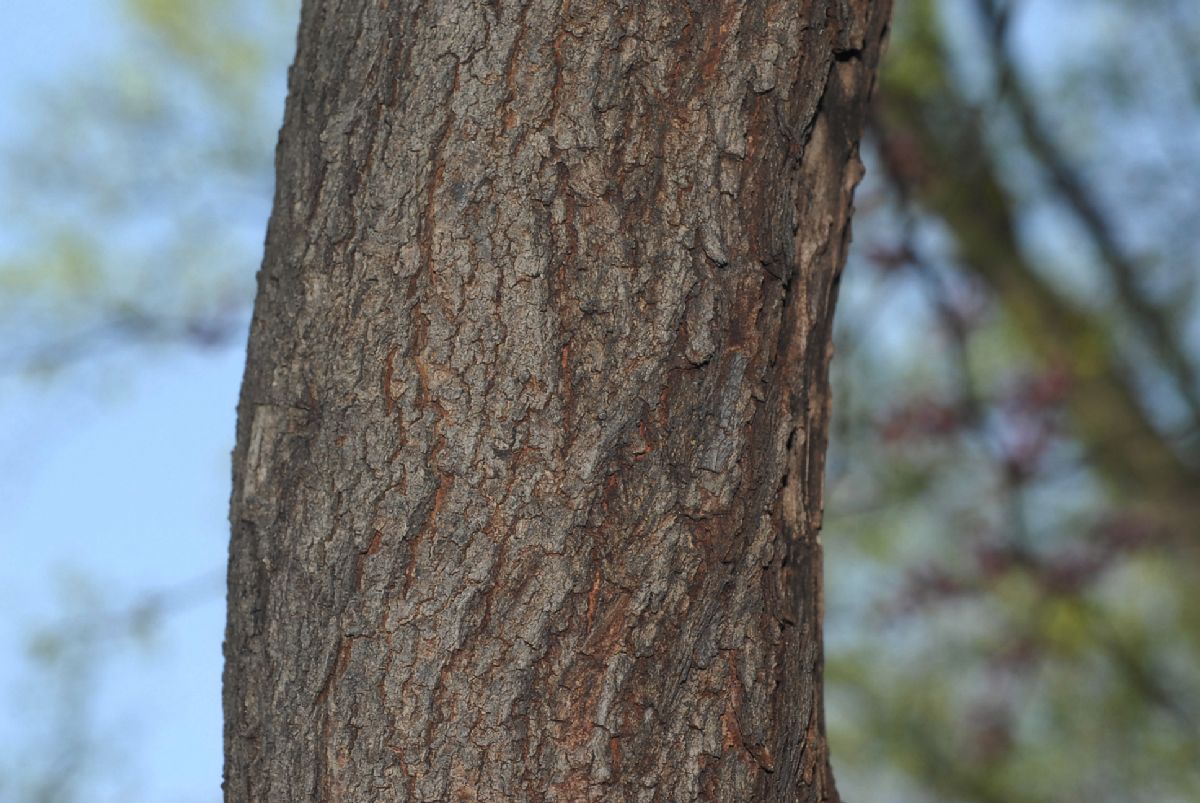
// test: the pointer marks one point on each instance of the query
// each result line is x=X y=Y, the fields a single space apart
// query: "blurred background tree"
x=1013 y=508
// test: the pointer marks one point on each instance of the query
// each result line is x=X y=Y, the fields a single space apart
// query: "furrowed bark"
x=530 y=446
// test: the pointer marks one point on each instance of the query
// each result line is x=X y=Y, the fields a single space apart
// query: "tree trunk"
x=530 y=445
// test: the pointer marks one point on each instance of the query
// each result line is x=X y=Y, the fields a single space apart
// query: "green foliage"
x=136 y=197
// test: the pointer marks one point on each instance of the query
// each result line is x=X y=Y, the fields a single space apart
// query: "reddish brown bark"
x=531 y=440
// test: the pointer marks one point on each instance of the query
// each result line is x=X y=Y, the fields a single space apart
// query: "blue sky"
x=42 y=38
x=113 y=477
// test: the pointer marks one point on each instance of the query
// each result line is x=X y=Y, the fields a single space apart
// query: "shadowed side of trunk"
x=531 y=439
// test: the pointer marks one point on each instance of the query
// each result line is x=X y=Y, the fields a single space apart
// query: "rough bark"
x=530 y=446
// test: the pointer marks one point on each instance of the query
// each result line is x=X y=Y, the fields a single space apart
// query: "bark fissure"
x=556 y=279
